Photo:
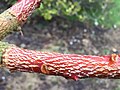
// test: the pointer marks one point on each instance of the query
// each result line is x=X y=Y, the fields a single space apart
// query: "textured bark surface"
x=71 y=66
x=8 y=23
x=23 y=8
x=12 y=18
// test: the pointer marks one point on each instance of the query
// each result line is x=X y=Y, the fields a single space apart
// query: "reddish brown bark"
x=71 y=66
x=23 y=8
x=12 y=18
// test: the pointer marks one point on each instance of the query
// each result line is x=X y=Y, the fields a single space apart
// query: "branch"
x=70 y=66
x=16 y=15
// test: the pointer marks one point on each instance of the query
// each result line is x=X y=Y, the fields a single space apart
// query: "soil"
x=60 y=35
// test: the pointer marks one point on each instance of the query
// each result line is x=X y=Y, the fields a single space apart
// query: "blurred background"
x=66 y=26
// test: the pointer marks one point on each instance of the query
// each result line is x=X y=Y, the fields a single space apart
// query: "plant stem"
x=70 y=66
x=16 y=15
x=23 y=8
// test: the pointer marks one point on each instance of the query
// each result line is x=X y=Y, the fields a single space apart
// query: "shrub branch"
x=72 y=66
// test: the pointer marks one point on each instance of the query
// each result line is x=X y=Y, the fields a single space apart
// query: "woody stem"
x=71 y=66
x=15 y=16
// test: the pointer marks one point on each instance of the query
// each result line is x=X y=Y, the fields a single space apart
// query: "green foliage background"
x=105 y=13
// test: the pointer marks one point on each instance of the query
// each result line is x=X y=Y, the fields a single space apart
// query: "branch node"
x=114 y=58
x=44 y=69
